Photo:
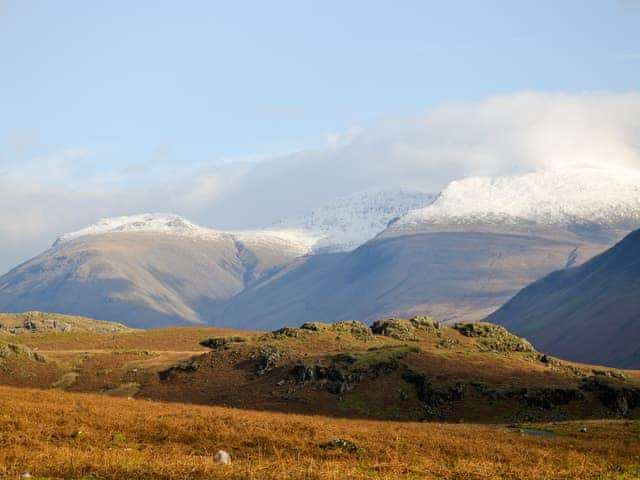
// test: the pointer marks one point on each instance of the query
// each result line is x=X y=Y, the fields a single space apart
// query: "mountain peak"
x=583 y=195
x=147 y=222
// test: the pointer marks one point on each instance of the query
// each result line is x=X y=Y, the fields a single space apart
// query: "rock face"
x=9 y=351
x=618 y=397
x=343 y=372
x=590 y=313
x=434 y=396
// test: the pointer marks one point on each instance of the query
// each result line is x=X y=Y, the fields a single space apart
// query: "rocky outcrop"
x=402 y=329
x=267 y=360
x=341 y=373
x=188 y=366
x=354 y=328
x=494 y=338
x=618 y=398
x=431 y=395
x=39 y=322
x=221 y=343
x=9 y=351
x=548 y=398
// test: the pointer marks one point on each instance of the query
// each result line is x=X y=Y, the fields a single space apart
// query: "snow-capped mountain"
x=148 y=222
x=607 y=197
x=340 y=225
x=159 y=269
x=170 y=224
x=350 y=221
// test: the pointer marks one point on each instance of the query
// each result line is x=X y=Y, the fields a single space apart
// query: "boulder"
x=222 y=457
x=221 y=343
x=267 y=360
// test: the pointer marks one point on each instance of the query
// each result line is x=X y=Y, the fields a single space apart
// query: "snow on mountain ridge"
x=171 y=224
x=340 y=225
x=147 y=222
x=349 y=221
x=609 y=196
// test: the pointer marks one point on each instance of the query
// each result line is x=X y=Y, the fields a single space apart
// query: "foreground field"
x=61 y=435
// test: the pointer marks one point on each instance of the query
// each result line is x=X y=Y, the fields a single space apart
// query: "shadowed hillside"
x=590 y=313
x=452 y=272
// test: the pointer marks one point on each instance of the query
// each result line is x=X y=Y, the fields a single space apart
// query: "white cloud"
x=507 y=134
x=341 y=139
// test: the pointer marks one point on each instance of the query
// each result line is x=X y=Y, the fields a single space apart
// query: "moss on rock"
x=354 y=328
x=494 y=338
x=402 y=329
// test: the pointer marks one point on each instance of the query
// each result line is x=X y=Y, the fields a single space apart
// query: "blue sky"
x=196 y=81
x=236 y=114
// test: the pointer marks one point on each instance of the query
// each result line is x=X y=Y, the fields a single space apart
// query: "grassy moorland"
x=411 y=370
x=416 y=399
x=53 y=434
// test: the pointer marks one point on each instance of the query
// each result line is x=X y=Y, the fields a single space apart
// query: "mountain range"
x=458 y=255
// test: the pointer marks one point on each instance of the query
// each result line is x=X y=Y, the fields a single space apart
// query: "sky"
x=237 y=114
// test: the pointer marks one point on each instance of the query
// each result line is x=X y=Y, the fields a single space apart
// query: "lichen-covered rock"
x=9 y=350
x=425 y=323
x=397 y=328
x=493 y=338
x=340 y=444
x=403 y=329
x=354 y=328
x=290 y=332
x=617 y=374
x=267 y=360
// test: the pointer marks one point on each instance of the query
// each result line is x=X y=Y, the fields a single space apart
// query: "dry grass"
x=135 y=439
x=129 y=363
x=166 y=339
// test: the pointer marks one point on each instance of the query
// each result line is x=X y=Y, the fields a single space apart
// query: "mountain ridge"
x=564 y=196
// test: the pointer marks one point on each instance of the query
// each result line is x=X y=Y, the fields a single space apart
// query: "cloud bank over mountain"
x=45 y=196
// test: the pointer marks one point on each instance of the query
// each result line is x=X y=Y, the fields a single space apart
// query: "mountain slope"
x=590 y=313
x=452 y=272
x=150 y=270
x=461 y=256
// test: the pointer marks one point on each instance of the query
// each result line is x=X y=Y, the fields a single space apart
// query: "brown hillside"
x=399 y=369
